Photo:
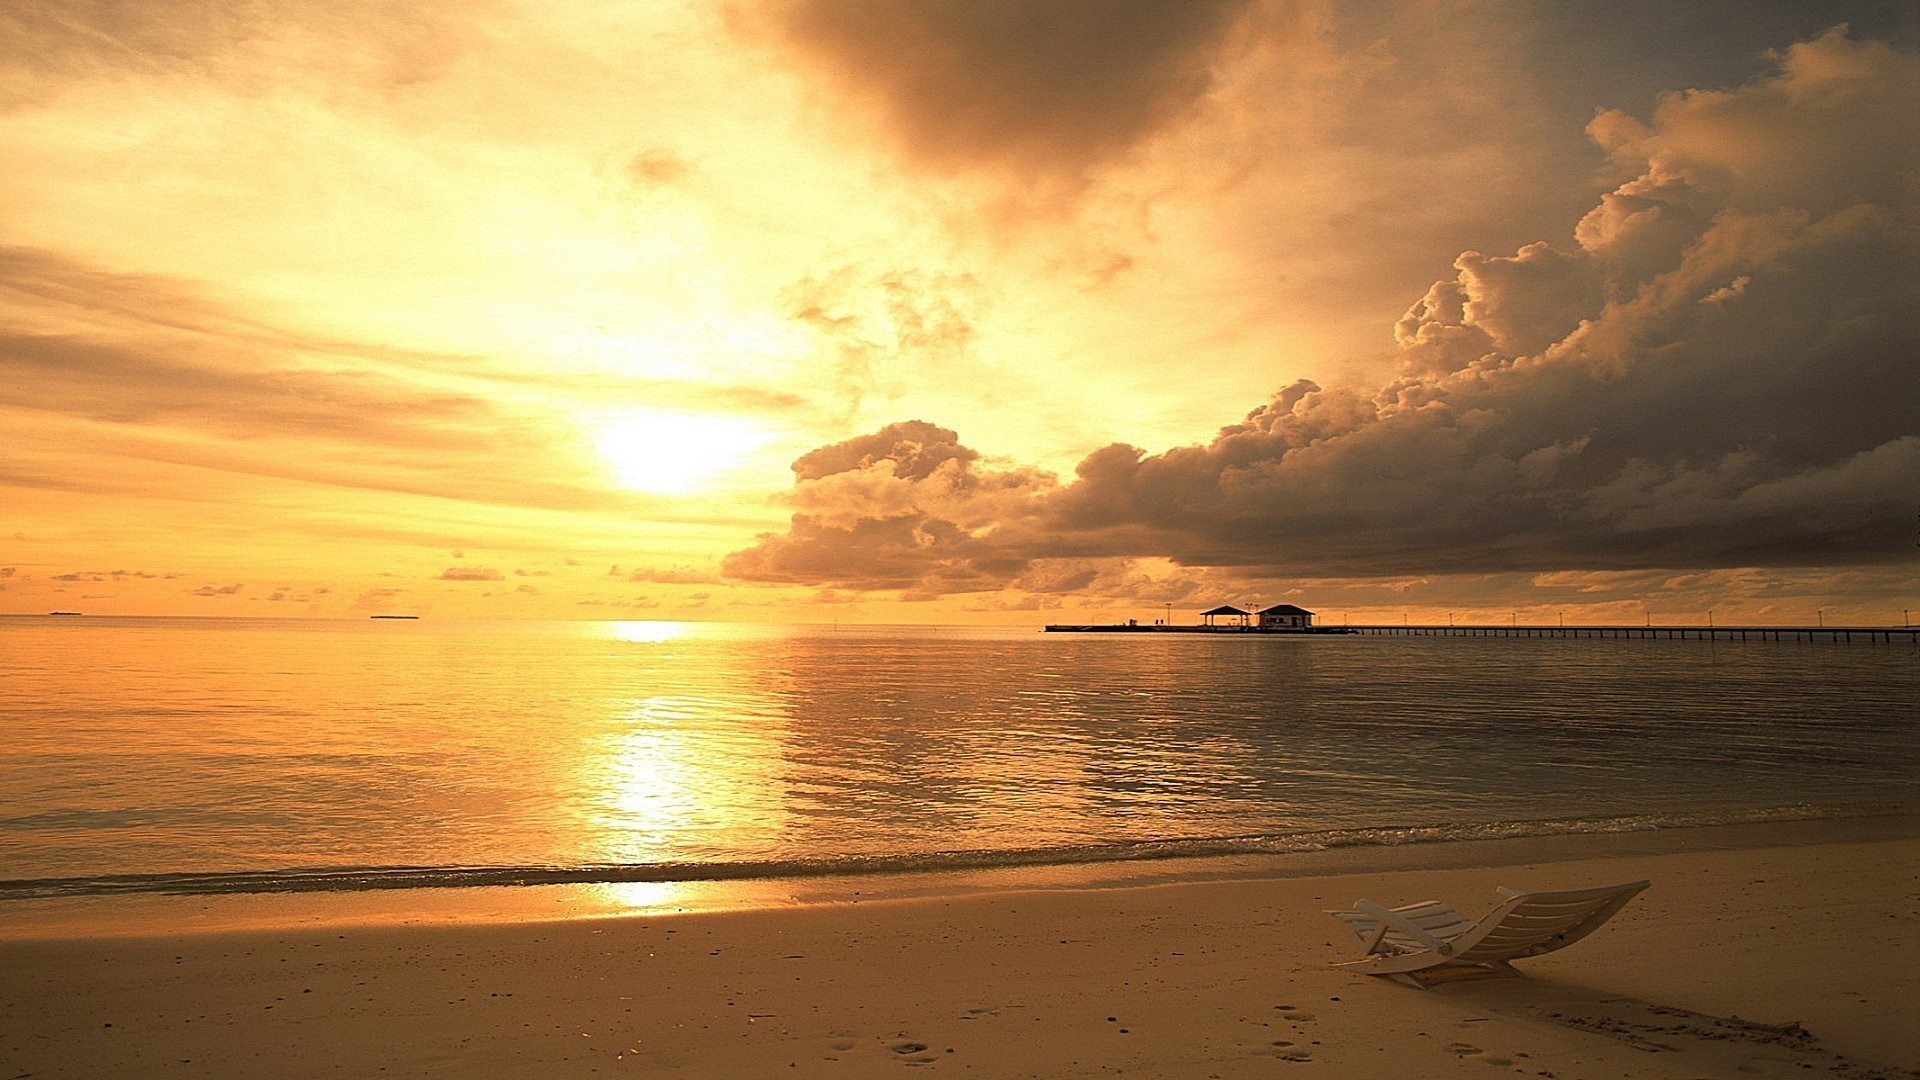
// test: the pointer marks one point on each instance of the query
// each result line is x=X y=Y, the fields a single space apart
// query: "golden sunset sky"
x=960 y=310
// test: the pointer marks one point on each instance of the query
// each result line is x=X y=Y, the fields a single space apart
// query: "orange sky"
x=940 y=311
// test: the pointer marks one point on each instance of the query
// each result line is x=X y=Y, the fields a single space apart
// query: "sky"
x=961 y=311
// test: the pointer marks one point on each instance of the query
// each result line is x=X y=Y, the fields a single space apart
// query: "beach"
x=1760 y=950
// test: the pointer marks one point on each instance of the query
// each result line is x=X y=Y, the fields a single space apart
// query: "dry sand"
x=1756 y=953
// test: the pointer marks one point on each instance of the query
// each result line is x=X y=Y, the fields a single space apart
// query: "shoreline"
x=138 y=914
x=1760 y=950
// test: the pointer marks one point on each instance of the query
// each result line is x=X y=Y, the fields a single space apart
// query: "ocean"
x=198 y=756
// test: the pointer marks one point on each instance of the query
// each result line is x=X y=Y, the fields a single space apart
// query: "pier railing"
x=1702 y=633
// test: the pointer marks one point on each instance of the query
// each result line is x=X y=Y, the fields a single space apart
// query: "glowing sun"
x=669 y=453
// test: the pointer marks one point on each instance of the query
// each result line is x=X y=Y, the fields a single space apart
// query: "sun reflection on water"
x=643 y=632
x=684 y=781
x=640 y=897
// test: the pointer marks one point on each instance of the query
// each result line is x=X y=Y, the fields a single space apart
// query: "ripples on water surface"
x=178 y=745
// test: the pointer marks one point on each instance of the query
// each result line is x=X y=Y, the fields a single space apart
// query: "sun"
x=672 y=453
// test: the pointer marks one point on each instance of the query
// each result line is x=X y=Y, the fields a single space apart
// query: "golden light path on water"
x=667 y=769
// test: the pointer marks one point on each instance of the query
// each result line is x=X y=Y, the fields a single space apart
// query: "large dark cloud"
x=1041 y=87
x=1723 y=373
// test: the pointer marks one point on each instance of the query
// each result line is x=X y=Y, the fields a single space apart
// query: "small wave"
x=364 y=878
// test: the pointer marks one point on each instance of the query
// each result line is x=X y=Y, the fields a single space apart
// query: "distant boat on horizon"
x=393 y=616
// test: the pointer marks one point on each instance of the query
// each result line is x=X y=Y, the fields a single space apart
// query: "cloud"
x=157 y=370
x=1719 y=374
x=883 y=332
x=218 y=590
x=103 y=575
x=381 y=46
x=674 y=576
x=658 y=167
x=137 y=349
x=376 y=599
x=906 y=507
x=1048 y=91
x=470 y=573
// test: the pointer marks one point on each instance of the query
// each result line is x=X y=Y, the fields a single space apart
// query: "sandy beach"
x=1769 y=950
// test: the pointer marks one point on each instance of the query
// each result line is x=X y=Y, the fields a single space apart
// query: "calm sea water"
x=195 y=754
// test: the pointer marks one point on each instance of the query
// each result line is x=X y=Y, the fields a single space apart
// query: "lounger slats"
x=1430 y=934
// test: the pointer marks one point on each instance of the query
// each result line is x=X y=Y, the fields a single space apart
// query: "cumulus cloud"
x=1720 y=373
x=906 y=507
x=1045 y=89
x=470 y=573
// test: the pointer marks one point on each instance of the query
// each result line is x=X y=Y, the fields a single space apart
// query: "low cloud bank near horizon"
x=1720 y=372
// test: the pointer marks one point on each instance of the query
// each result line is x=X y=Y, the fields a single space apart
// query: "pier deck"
x=1890 y=634
x=1700 y=633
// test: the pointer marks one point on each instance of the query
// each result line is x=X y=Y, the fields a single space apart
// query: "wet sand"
x=1759 y=951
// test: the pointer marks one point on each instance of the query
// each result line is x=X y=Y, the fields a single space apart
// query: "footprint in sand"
x=1474 y=1052
x=913 y=1053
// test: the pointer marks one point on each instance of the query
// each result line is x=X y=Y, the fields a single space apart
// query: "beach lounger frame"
x=1430 y=942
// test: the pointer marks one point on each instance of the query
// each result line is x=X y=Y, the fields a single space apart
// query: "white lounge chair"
x=1439 y=943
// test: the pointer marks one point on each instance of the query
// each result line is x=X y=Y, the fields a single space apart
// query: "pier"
x=1889 y=634
x=1165 y=628
x=1700 y=633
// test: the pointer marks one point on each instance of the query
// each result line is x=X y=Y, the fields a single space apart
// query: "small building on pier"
x=1234 y=615
x=1285 y=617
